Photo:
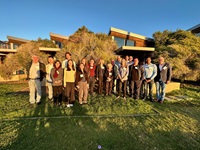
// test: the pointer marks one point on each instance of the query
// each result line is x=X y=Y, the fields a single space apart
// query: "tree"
x=19 y=60
x=84 y=43
x=182 y=49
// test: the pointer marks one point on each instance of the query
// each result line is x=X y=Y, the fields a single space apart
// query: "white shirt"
x=34 y=71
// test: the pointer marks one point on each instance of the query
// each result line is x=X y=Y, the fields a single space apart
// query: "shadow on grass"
x=87 y=133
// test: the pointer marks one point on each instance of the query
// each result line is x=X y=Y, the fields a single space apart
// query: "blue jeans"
x=160 y=90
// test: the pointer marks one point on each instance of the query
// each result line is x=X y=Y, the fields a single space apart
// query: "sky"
x=33 y=19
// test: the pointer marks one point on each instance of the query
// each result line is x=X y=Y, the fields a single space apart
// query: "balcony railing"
x=5 y=46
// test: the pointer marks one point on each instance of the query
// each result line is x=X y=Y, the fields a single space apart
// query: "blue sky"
x=30 y=19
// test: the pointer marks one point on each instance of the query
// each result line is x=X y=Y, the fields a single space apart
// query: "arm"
x=169 y=73
x=154 y=72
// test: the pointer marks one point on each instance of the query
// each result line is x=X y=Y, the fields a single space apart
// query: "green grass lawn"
x=106 y=121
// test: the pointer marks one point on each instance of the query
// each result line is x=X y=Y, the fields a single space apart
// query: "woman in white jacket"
x=123 y=77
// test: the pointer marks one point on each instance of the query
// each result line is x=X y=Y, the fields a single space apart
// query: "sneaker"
x=124 y=98
x=85 y=102
x=118 y=97
x=70 y=105
x=38 y=103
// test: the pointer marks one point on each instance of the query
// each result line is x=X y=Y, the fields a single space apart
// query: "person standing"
x=109 y=74
x=69 y=81
x=123 y=77
x=150 y=72
x=82 y=84
x=164 y=73
x=57 y=81
x=36 y=71
x=92 y=75
x=136 y=75
x=115 y=76
x=117 y=80
x=100 y=73
x=49 y=66
x=67 y=57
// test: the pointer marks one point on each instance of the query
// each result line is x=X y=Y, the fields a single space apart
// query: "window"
x=59 y=44
x=130 y=43
x=15 y=46
x=120 y=41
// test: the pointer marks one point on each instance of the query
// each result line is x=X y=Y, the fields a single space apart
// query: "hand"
x=148 y=80
x=88 y=86
x=77 y=87
x=167 y=82
x=97 y=79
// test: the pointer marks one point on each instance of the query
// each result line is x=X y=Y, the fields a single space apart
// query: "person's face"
x=83 y=61
x=101 y=61
x=57 y=64
x=123 y=62
x=119 y=58
x=161 y=60
x=50 y=60
x=35 y=59
x=136 y=61
x=127 y=58
x=92 y=62
x=68 y=56
x=148 y=60
x=81 y=66
x=70 y=63
x=131 y=58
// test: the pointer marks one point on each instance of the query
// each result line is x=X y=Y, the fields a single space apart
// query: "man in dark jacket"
x=136 y=75
x=164 y=73
x=36 y=71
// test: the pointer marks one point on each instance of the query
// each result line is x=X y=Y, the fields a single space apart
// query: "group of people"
x=124 y=77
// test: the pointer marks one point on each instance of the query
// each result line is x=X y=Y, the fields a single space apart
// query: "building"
x=195 y=30
x=13 y=43
x=132 y=44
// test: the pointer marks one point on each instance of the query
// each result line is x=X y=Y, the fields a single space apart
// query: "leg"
x=124 y=88
x=151 y=90
x=110 y=84
x=80 y=92
x=132 y=88
x=91 y=85
x=31 y=84
x=137 y=90
x=163 y=87
x=72 y=93
x=107 y=87
x=158 y=90
x=50 y=90
x=39 y=90
x=119 y=88
x=85 y=92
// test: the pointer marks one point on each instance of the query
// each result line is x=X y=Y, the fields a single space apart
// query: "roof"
x=58 y=37
x=49 y=49
x=136 y=51
x=195 y=29
x=12 y=39
x=130 y=34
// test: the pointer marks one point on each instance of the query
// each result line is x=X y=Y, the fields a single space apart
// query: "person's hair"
x=49 y=57
x=109 y=65
x=73 y=68
x=68 y=53
x=54 y=64
x=125 y=65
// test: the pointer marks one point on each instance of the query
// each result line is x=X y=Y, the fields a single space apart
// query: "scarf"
x=56 y=73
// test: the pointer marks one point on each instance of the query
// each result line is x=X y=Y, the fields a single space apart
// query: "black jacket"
x=165 y=74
